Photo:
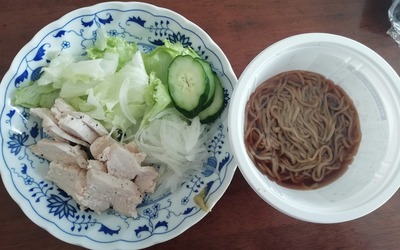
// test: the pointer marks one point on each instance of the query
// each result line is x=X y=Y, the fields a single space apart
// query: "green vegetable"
x=112 y=45
x=213 y=111
x=158 y=61
x=33 y=95
x=178 y=47
x=188 y=85
x=210 y=76
x=161 y=61
x=161 y=57
x=156 y=97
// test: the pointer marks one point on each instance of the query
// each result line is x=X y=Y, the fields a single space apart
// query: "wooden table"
x=240 y=220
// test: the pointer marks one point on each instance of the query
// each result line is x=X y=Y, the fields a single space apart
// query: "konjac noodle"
x=301 y=129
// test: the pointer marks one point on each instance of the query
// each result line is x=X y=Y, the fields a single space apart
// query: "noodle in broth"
x=301 y=129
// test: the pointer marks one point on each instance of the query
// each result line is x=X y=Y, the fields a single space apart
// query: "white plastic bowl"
x=374 y=88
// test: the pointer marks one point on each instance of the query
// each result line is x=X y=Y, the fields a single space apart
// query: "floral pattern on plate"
x=159 y=218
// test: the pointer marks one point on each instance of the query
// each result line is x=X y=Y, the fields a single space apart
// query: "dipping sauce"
x=301 y=129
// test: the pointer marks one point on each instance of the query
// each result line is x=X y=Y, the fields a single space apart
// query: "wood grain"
x=240 y=220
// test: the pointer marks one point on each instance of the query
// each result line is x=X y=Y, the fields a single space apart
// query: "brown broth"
x=325 y=109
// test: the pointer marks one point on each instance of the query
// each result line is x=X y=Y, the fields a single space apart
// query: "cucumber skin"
x=210 y=118
x=202 y=99
x=211 y=76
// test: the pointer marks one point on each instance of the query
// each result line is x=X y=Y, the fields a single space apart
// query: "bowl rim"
x=251 y=173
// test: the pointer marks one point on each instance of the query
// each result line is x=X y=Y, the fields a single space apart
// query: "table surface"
x=240 y=220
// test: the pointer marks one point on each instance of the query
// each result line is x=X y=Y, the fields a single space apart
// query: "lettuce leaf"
x=157 y=99
x=179 y=48
x=161 y=57
x=34 y=95
x=118 y=100
x=112 y=45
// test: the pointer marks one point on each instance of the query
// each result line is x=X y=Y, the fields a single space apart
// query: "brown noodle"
x=301 y=129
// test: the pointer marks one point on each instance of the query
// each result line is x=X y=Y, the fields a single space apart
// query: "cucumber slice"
x=188 y=85
x=212 y=112
x=210 y=75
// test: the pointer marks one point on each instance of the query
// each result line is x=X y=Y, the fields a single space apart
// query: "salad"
x=154 y=109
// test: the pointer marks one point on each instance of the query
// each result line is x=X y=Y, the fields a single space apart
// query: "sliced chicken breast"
x=104 y=191
x=77 y=128
x=99 y=145
x=124 y=161
x=95 y=125
x=61 y=152
x=121 y=162
x=146 y=179
x=70 y=178
x=97 y=165
x=50 y=126
x=60 y=108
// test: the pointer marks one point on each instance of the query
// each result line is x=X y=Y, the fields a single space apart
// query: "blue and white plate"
x=159 y=218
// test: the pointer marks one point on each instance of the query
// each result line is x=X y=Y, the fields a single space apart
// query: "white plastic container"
x=374 y=87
